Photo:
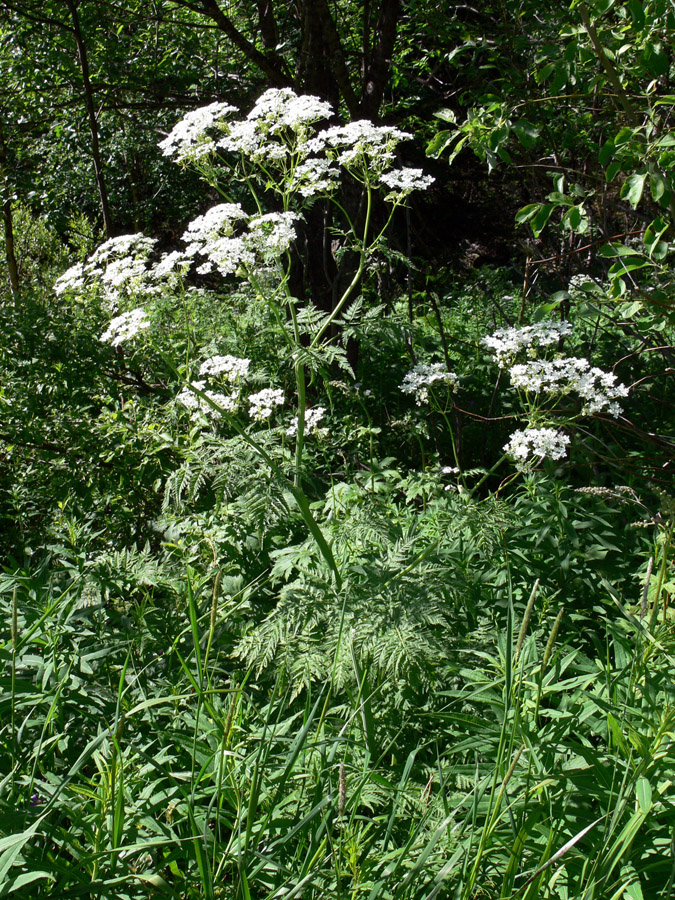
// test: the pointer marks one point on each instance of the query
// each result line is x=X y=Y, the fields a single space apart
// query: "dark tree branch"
x=377 y=72
x=8 y=222
x=91 y=113
x=337 y=55
x=269 y=63
x=268 y=24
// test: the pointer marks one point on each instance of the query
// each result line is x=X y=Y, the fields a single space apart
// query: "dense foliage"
x=336 y=446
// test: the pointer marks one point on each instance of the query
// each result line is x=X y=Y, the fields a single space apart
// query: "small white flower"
x=599 y=390
x=312 y=419
x=505 y=343
x=229 y=367
x=126 y=326
x=189 y=139
x=449 y=470
x=402 y=182
x=534 y=444
x=261 y=405
x=420 y=378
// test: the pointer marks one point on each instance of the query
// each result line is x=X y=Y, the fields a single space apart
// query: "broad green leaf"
x=633 y=188
x=643 y=792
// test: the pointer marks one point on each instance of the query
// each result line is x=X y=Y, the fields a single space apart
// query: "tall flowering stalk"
x=278 y=150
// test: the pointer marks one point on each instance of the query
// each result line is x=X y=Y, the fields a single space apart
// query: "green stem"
x=357 y=277
x=296 y=490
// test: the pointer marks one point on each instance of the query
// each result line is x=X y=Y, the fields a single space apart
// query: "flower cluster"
x=119 y=262
x=189 y=139
x=261 y=405
x=230 y=368
x=402 y=182
x=360 y=145
x=124 y=327
x=532 y=444
x=200 y=405
x=277 y=128
x=262 y=239
x=312 y=419
x=281 y=108
x=507 y=342
x=72 y=280
x=420 y=378
x=314 y=176
x=598 y=390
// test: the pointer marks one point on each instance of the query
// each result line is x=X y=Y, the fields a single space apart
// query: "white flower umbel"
x=219 y=221
x=123 y=272
x=534 y=444
x=271 y=235
x=211 y=235
x=261 y=405
x=201 y=407
x=360 y=144
x=190 y=138
x=277 y=128
x=281 y=108
x=420 y=378
x=599 y=390
x=124 y=327
x=134 y=246
x=506 y=343
x=71 y=281
x=315 y=176
x=231 y=368
x=175 y=263
x=312 y=419
x=402 y=182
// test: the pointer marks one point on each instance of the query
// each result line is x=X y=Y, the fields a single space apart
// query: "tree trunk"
x=8 y=222
x=91 y=113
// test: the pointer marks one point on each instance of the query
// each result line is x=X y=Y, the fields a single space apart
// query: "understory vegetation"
x=336 y=541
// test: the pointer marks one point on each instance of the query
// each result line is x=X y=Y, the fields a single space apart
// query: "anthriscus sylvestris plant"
x=555 y=392
x=287 y=158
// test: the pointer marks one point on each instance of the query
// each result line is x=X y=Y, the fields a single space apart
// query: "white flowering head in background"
x=191 y=139
x=229 y=368
x=598 y=390
x=126 y=326
x=422 y=376
x=120 y=263
x=402 y=182
x=262 y=404
x=200 y=406
x=506 y=343
x=313 y=418
x=531 y=445
x=360 y=146
x=72 y=280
